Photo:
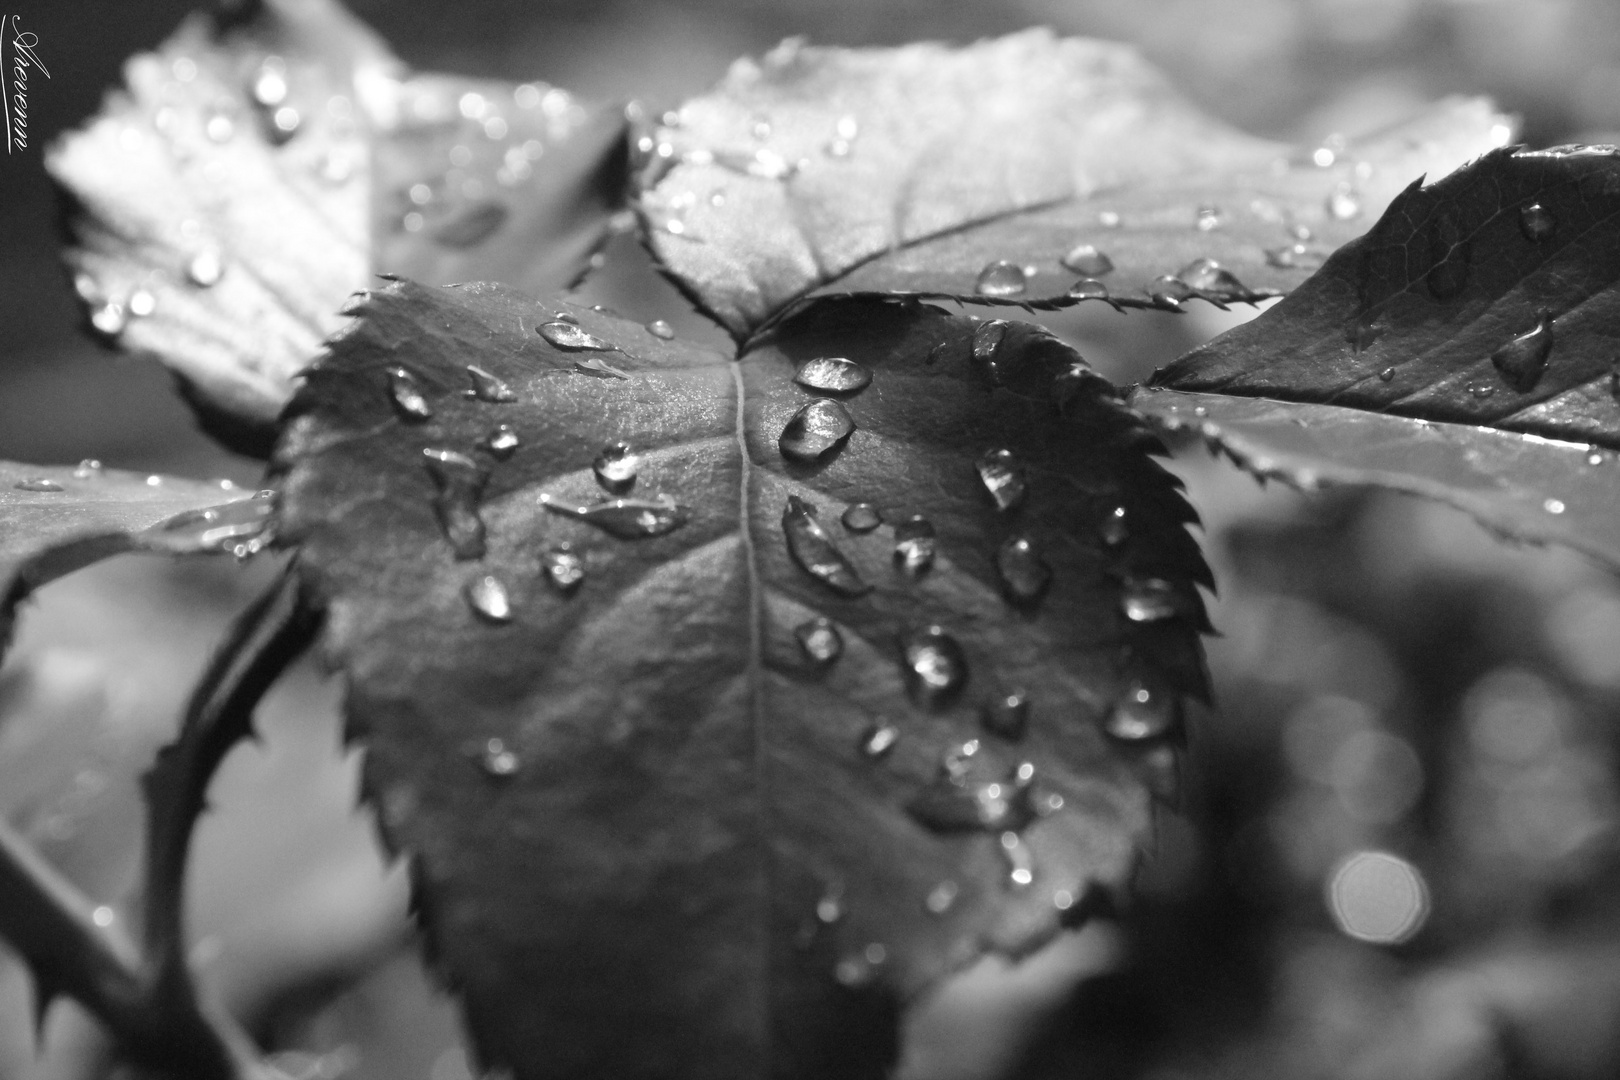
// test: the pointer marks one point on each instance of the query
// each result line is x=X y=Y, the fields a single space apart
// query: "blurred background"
x=1397 y=851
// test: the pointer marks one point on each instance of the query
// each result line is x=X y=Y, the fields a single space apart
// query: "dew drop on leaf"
x=952 y=803
x=569 y=335
x=38 y=483
x=1109 y=219
x=1141 y=713
x=1343 y=204
x=1087 y=260
x=1003 y=477
x=941 y=898
x=1537 y=223
x=486 y=387
x=1168 y=291
x=934 y=666
x=109 y=318
x=1000 y=278
x=815 y=551
x=1208 y=218
x=284 y=123
x=987 y=340
x=501 y=441
x=833 y=374
x=1020 y=860
x=1554 y=506
x=830 y=908
x=819 y=640
x=406 y=394
x=1208 y=276
x=597 y=368
x=1482 y=390
x=498 y=761
x=243 y=524
x=86 y=469
x=615 y=468
x=1114 y=529
x=1024 y=573
x=460 y=481
x=628 y=519
x=563 y=567
x=205 y=268
x=660 y=329
x=1522 y=361
x=914 y=544
x=1387 y=375
x=1007 y=715
x=815 y=431
x=487 y=597
x=861 y=517
x=879 y=739
x=1150 y=600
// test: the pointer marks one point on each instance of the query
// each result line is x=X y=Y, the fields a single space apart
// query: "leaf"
x=628 y=784
x=913 y=170
x=55 y=519
x=252 y=176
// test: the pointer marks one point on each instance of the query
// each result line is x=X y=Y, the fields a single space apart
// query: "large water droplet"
x=241 y=527
x=488 y=598
x=1387 y=375
x=879 y=739
x=941 y=898
x=1006 y=715
x=1088 y=289
x=815 y=431
x=833 y=374
x=569 y=335
x=563 y=566
x=501 y=441
x=38 y=483
x=628 y=519
x=1003 y=477
x=660 y=329
x=1024 y=573
x=486 y=387
x=1086 y=259
x=205 y=268
x=861 y=517
x=1537 y=223
x=1020 y=860
x=498 y=761
x=934 y=665
x=1522 y=361
x=815 y=551
x=460 y=481
x=1000 y=278
x=406 y=394
x=1141 y=713
x=615 y=468
x=1150 y=600
x=471 y=225
x=914 y=544
x=820 y=640
x=1208 y=276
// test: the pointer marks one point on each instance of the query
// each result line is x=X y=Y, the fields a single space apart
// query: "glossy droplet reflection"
x=1088 y=289
x=660 y=329
x=501 y=442
x=1168 y=291
x=1114 y=529
x=38 y=483
x=570 y=336
x=1208 y=276
x=497 y=761
x=1003 y=477
x=819 y=640
x=830 y=908
x=628 y=519
x=833 y=374
x=987 y=340
x=1020 y=860
x=1024 y=573
x=487 y=597
x=1086 y=259
x=563 y=567
x=861 y=517
x=1150 y=600
x=406 y=394
x=615 y=468
x=1007 y=715
x=934 y=666
x=1537 y=223
x=942 y=897
x=486 y=387
x=815 y=551
x=1522 y=361
x=1140 y=713
x=914 y=544
x=205 y=269
x=241 y=528
x=879 y=739
x=815 y=431
x=1001 y=278
x=460 y=481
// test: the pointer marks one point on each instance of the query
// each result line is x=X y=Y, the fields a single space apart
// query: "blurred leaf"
x=262 y=164
x=913 y=170
x=636 y=802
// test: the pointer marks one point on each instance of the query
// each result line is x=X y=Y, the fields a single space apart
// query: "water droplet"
x=861 y=518
x=1003 y=477
x=820 y=640
x=38 y=483
x=1208 y=276
x=628 y=519
x=838 y=148
x=498 y=761
x=658 y=328
x=460 y=481
x=569 y=335
x=1208 y=218
x=1362 y=332
x=242 y=527
x=205 y=268
x=615 y=468
x=1449 y=253
x=501 y=441
x=471 y=225
x=1108 y=219
x=1086 y=259
x=853 y=972
x=1522 y=361
x=1141 y=713
x=1000 y=278
x=1020 y=860
x=270 y=82
x=914 y=544
x=109 y=318
x=815 y=552
x=988 y=337
x=830 y=908
x=563 y=566
x=1007 y=715
x=1537 y=223
x=879 y=740
x=488 y=598
x=1481 y=390
x=486 y=387
x=1114 y=530
x=406 y=394
x=219 y=127
x=955 y=803
x=942 y=897
x=833 y=374
x=1024 y=573
x=1150 y=600
x=597 y=368
x=1295 y=257
x=284 y=123
x=1554 y=506
x=1343 y=204
x=86 y=469
x=1167 y=292
x=1386 y=375
x=1088 y=289
x=935 y=667
x=769 y=165
x=816 y=430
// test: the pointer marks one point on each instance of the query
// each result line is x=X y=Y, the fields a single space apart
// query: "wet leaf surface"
x=257 y=170
x=1009 y=171
x=661 y=824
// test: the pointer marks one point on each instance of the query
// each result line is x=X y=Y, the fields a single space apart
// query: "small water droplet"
x=879 y=739
x=833 y=374
x=460 y=481
x=488 y=598
x=1168 y=291
x=1554 y=506
x=219 y=127
x=942 y=897
x=486 y=387
x=501 y=441
x=1386 y=375
x=816 y=430
x=658 y=328
x=628 y=519
x=1088 y=289
x=934 y=665
x=1114 y=529
x=205 y=268
x=1001 y=278
x=569 y=335
x=1020 y=860
x=830 y=908
x=86 y=469
x=815 y=551
x=1024 y=574
x=861 y=517
x=1208 y=218
x=820 y=640
x=1141 y=713
x=1343 y=203
x=1007 y=715
x=37 y=483
x=406 y=394
x=615 y=468
x=269 y=86
x=498 y=761
x=284 y=123
x=1594 y=457
x=471 y=225
x=1086 y=259
x=563 y=567
x=1522 y=361
x=1150 y=600
x=109 y=318
x=914 y=544
x=1003 y=477
x=1108 y=219
x=1537 y=223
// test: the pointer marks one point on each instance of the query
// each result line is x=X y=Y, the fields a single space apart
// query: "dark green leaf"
x=259 y=168
x=658 y=828
x=912 y=170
